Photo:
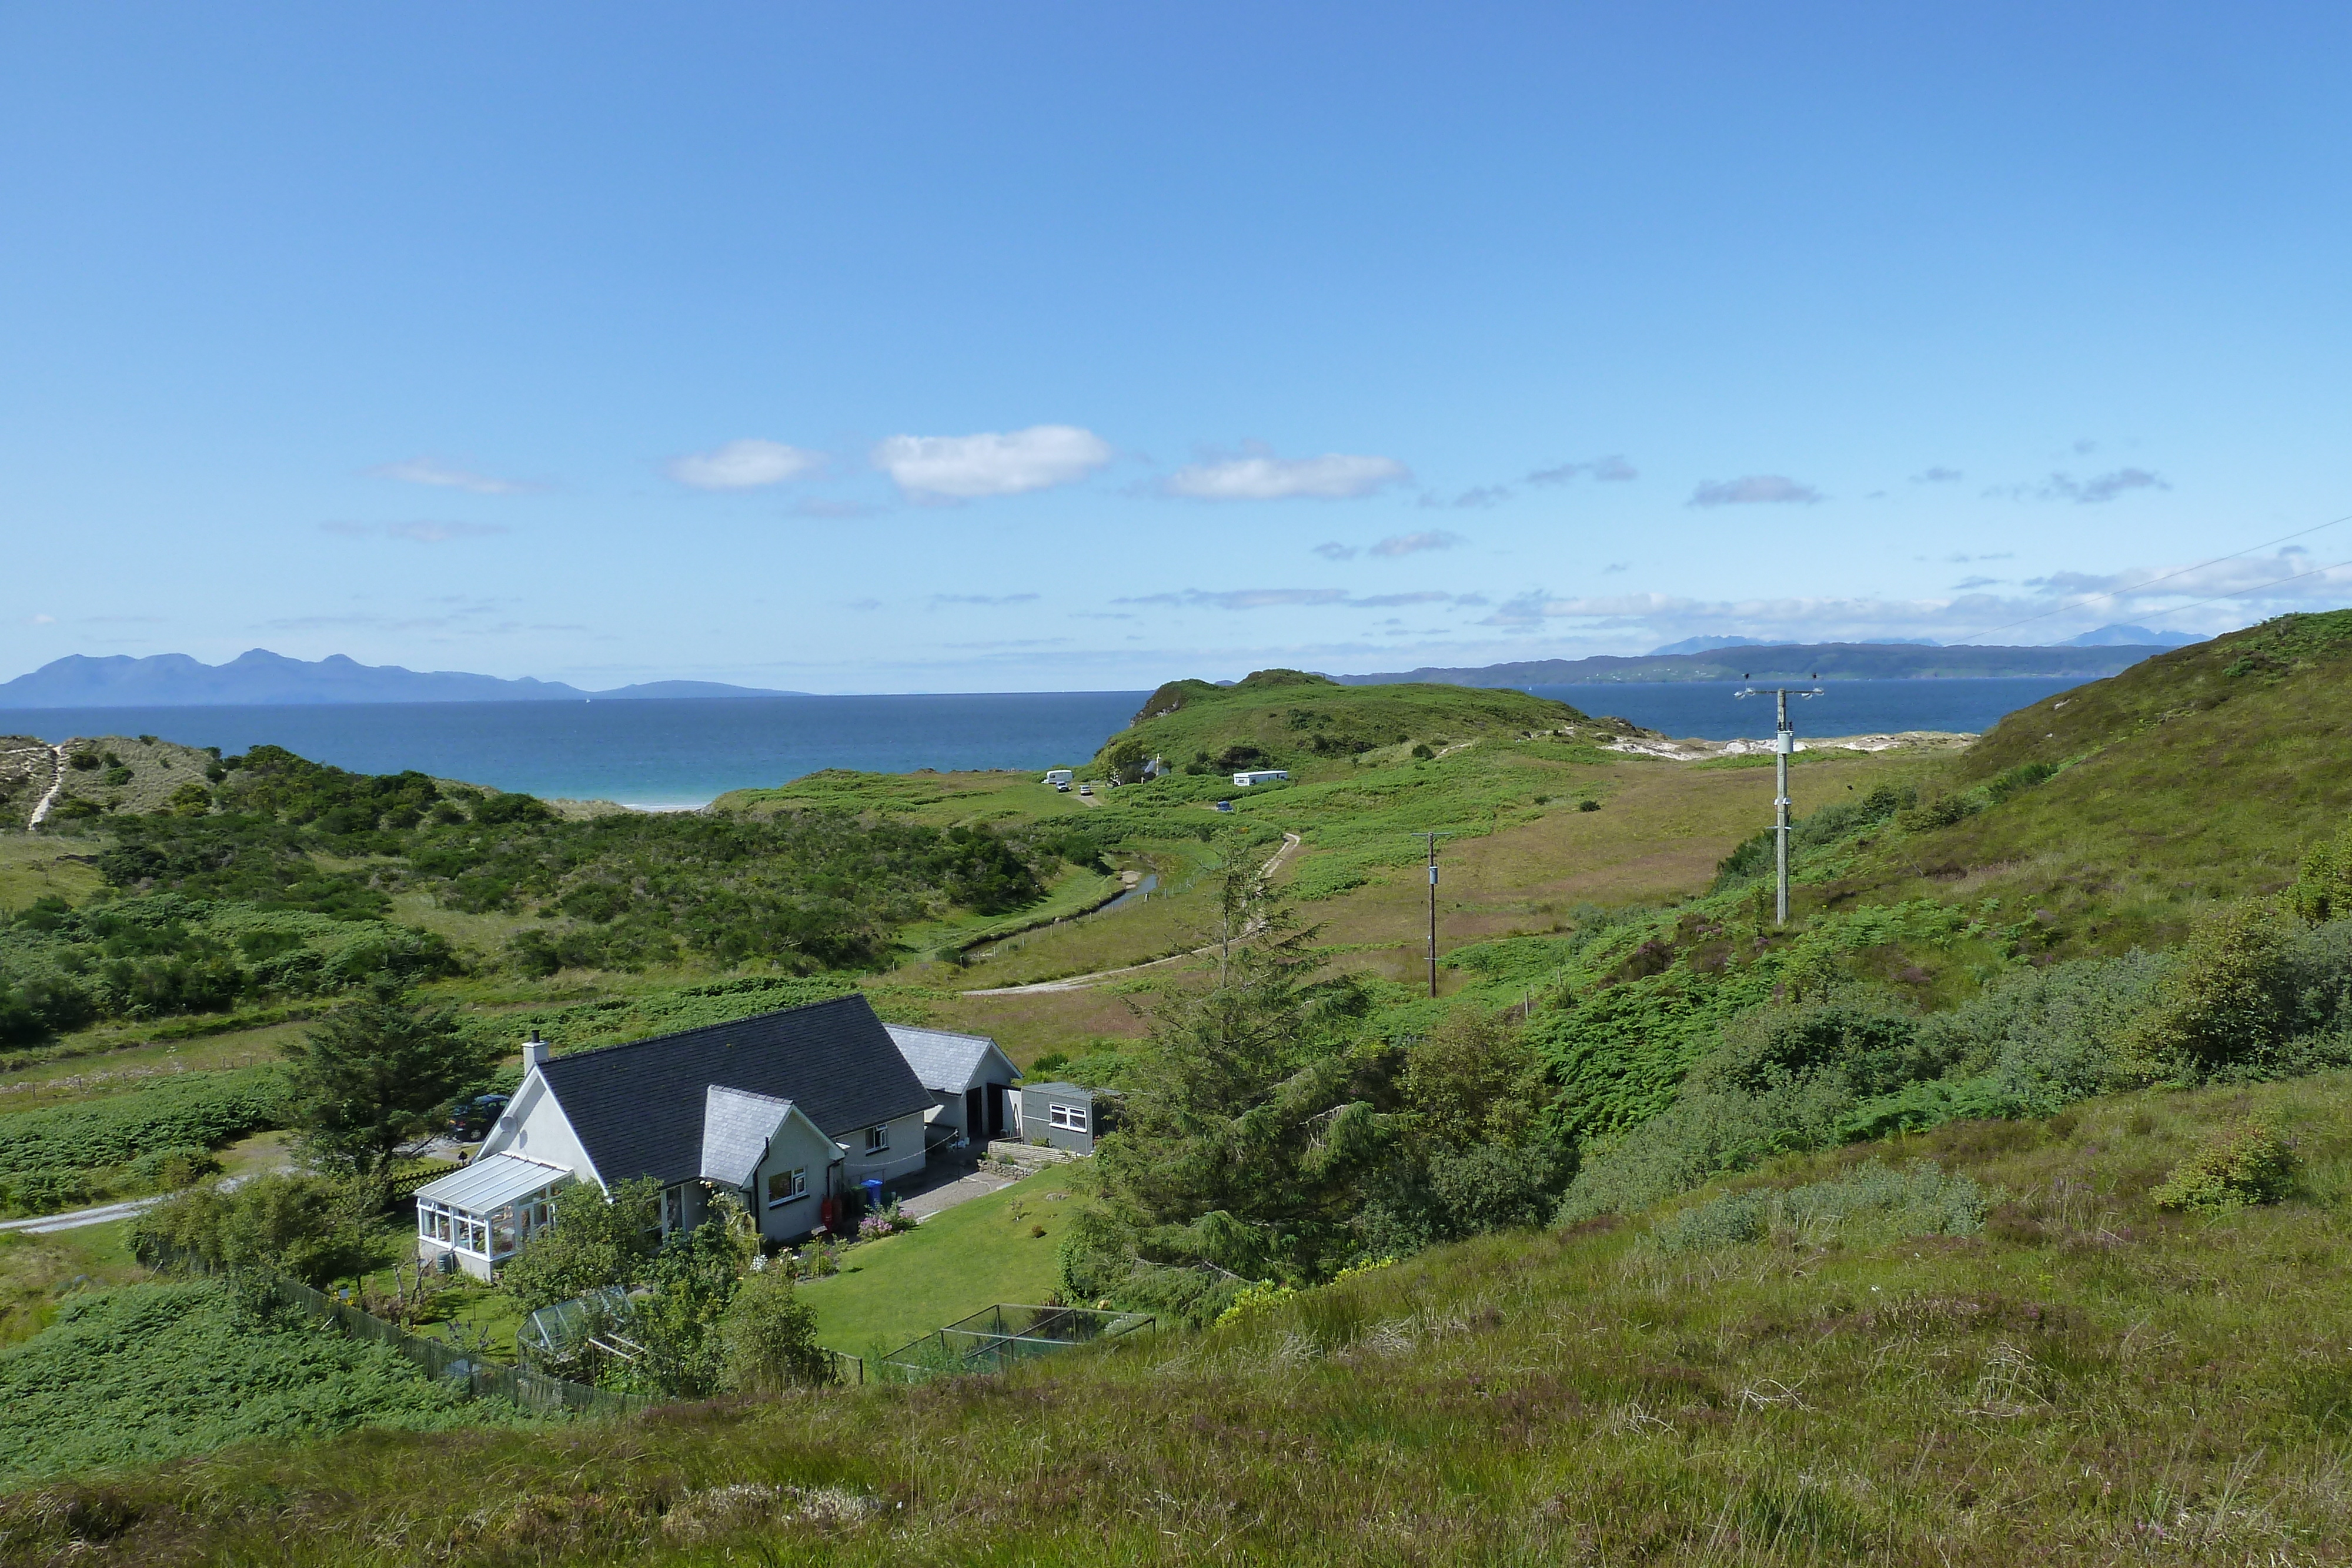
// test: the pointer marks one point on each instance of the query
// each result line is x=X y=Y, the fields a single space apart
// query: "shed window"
x=878 y=1140
x=783 y=1186
x=1074 y=1117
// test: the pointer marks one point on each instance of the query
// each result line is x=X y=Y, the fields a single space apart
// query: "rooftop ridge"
x=587 y=1051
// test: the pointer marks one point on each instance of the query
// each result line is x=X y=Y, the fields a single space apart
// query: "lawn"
x=952 y=1265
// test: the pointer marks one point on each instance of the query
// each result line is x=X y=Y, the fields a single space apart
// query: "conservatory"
x=480 y=1215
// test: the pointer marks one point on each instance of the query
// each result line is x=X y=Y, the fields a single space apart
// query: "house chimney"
x=535 y=1051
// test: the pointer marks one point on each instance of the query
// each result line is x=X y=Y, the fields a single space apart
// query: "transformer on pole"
x=1784 y=745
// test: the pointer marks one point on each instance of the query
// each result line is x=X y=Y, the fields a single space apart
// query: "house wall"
x=796 y=1143
x=904 y=1158
x=429 y=1252
x=1037 y=1119
x=534 y=1126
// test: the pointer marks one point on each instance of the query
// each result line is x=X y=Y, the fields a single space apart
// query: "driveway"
x=74 y=1220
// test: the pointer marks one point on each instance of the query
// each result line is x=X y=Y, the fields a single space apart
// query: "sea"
x=678 y=753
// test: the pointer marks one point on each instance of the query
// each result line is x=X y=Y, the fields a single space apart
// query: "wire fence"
x=447 y=1362
x=1002 y=1336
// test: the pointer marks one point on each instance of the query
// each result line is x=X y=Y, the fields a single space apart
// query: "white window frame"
x=878 y=1139
x=797 y=1178
x=1070 y=1118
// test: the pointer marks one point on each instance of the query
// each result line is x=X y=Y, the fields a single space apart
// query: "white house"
x=790 y=1110
x=1262 y=775
x=969 y=1077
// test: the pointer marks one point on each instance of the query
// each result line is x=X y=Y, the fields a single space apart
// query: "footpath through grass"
x=974 y=1255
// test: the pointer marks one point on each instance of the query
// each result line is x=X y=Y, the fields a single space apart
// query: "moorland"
x=1989 y=1210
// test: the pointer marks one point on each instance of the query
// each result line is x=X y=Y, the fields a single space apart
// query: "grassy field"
x=2084 y=1378
x=953 y=1264
x=37 y=1272
x=46 y=865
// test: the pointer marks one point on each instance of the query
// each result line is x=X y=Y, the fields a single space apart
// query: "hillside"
x=1288 y=718
x=2200 y=774
x=1799 y=660
x=2015 y=1358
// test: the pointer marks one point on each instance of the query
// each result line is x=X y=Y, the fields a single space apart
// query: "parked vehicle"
x=1086 y=788
x=473 y=1119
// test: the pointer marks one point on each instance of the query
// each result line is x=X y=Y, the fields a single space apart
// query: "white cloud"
x=1609 y=470
x=1412 y=544
x=993 y=462
x=443 y=476
x=44 y=621
x=1754 y=489
x=745 y=465
x=1335 y=550
x=1259 y=476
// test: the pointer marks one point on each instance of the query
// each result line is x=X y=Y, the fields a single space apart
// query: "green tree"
x=768 y=1338
x=595 y=1241
x=694 y=1279
x=377 y=1071
x=1250 y=1120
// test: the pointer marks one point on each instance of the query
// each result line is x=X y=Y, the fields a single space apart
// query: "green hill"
x=2120 y=809
x=2014 y=1357
x=1288 y=718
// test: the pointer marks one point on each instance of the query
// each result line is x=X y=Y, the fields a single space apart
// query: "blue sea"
x=676 y=753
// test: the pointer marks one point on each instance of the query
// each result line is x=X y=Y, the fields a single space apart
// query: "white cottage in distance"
x=790 y=1109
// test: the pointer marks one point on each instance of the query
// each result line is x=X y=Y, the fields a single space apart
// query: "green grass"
x=2086 y=1379
x=38 y=1273
x=953 y=1264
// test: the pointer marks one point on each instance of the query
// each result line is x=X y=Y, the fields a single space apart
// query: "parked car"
x=1086 y=788
x=1064 y=787
x=473 y=1119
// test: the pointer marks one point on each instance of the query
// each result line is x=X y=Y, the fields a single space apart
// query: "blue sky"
x=944 y=347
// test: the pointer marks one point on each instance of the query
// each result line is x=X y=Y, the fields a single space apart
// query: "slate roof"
x=736 y=1129
x=638 y=1108
x=944 y=1059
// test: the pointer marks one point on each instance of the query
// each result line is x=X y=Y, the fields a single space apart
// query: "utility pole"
x=1784 y=745
x=1433 y=839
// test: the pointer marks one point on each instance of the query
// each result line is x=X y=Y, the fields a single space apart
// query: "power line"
x=2151 y=582
x=2257 y=587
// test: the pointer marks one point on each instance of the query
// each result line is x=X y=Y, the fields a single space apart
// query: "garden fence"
x=517 y=1384
x=1000 y=1337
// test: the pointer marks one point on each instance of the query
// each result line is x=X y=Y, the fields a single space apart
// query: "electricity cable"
x=2151 y=582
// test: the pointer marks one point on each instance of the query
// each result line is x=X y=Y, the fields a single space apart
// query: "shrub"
x=2019 y=779
x=308 y=1227
x=169 y=1170
x=2223 y=1010
x=595 y=1242
x=191 y=1109
x=2044 y=1035
x=1919 y=1200
x=2240 y=1164
x=768 y=1338
x=154 y=1372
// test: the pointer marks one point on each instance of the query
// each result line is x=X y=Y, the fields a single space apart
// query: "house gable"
x=534 y=1126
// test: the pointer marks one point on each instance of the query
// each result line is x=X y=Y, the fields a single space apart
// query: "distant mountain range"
x=263 y=678
x=1830 y=661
